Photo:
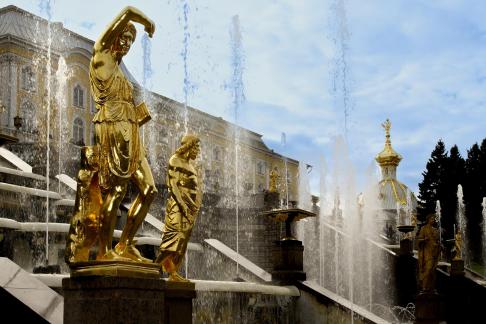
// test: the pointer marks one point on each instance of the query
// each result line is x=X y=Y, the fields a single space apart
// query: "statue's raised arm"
x=116 y=40
x=119 y=24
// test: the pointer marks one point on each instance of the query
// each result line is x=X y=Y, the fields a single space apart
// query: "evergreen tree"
x=482 y=169
x=454 y=174
x=473 y=198
x=433 y=181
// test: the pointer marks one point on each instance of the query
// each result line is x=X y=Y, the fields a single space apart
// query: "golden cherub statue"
x=273 y=180
x=183 y=204
x=121 y=155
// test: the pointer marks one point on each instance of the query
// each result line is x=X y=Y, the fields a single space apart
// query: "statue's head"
x=189 y=146
x=125 y=40
x=430 y=219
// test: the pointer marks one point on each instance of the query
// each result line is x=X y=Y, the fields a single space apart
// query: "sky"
x=318 y=70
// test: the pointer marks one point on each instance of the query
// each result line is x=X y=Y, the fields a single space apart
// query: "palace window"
x=217 y=154
x=78 y=131
x=28 y=79
x=163 y=137
x=261 y=167
x=78 y=96
x=29 y=123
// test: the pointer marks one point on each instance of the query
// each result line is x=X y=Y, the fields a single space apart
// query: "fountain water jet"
x=238 y=97
x=461 y=222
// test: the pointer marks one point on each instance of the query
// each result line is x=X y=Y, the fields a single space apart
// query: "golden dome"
x=388 y=156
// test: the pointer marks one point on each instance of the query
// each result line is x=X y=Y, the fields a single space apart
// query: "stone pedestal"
x=457 y=268
x=429 y=308
x=288 y=266
x=406 y=247
x=104 y=299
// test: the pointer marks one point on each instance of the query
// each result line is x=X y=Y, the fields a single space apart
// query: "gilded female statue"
x=428 y=254
x=182 y=206
x=117 y=123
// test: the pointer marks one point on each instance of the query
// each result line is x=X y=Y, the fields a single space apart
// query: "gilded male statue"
x=84 y=227
x=182 y=208
x=457 y=252
x=428 y=254
x=117 y=122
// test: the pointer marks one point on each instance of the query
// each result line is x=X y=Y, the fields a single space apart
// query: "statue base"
x=119 y=299
x=457 y=268
x=429 y=308
x=406 y=247
x=115 y=269
x=288 y=263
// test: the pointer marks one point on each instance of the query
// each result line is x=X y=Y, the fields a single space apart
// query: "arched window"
x=78 y=96
x=78 y=131
x=27 y=79
x=261 y=167
x=29 y=123
x=163 y=137
x=217 y=154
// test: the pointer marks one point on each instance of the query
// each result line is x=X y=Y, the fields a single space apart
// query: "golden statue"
x=457 y=246
x=120 y=154
x=185 y=197
x=428 y=254
x=84 y=228
x=273 y=180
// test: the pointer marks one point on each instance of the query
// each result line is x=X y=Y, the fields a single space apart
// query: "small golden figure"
x=428 y=254
x=273 y=180
x=457 y=246
x=84 y=228
x=185 y=197
x=117 y=124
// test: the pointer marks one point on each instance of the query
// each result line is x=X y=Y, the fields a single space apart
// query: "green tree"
x=433 y=181
x=453 y=175
x=473 y=198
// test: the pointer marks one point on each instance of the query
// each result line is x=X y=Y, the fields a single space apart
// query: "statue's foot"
x=131 y=252
x=174 y=276
x=112 y=256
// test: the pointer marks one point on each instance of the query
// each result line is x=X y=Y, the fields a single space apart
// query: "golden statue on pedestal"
x=428 y=254
x=185 y=197
x=272 y=187
x=118 y=155
x=457 y=252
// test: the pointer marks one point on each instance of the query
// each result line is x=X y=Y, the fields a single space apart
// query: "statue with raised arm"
x=183 y=204
x=117 y=122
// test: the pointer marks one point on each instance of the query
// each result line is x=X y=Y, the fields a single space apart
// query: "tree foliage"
x=444 y=172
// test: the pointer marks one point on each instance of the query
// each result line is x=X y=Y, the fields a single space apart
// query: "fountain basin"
x=288 y=216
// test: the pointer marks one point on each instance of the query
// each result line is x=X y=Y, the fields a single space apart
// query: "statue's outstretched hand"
x=150 y=27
